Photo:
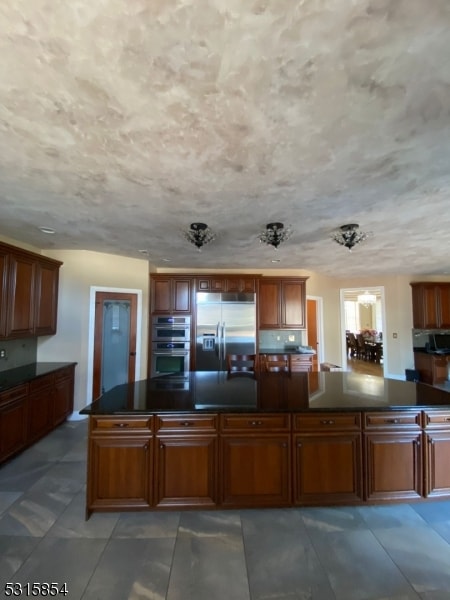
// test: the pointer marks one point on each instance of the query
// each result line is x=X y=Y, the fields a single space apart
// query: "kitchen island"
x=207 y=440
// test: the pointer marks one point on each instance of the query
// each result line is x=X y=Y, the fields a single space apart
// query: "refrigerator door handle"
x=218 y=342
x=224 y=340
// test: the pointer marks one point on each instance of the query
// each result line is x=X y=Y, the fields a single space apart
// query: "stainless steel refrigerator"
x=226 y=324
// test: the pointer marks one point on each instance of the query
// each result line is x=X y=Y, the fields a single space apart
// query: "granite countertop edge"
x=20 y=375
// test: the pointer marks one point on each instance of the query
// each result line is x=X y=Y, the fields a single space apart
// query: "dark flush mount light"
x=349 y=235
x=274 y=234
x=199 y=234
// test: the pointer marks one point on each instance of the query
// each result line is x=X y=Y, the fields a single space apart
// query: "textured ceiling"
x=123 y=121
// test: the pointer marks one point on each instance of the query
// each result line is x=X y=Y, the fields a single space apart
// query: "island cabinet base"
x=215 y=461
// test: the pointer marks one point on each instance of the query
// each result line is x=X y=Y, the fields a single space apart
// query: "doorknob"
x=132 y=353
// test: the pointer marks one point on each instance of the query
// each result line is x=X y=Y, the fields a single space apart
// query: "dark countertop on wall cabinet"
x=20 y=375
x=267 y=392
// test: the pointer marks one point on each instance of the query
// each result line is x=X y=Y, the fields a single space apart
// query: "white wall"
x=80 y=271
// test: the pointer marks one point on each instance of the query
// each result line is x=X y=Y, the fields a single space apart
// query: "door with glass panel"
x=114 y=340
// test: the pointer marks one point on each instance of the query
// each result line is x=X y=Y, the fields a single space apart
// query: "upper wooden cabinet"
x=282 y=303
x=28 y=293
x=171 y=294
x=431 y=305
x=228 y=283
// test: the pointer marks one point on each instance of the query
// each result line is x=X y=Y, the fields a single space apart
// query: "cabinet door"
x=393 y=466
x=443 y=291
x=293 y=304
x=181 y=302
x=13 y=421
x=20 y=296
x=328 y=468
x=119 y=472
x=438 y=464
x=186 y=468
x=63 y=395
x=40 y=413
x=269 y=304
x=3 y=291
x=46 y=304
x=256 y=470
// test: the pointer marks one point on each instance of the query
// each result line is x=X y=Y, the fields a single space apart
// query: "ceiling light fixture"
x=199 y=234
x=367 y=299
x=274 y=234
x=47 y=230
x=349 y=235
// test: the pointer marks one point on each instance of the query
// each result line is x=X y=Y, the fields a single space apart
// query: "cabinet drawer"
x=13 y=394
x=327 y=421
x=65 y=373
x=393 y=420
x=42 y=382
x=439 y=419
x=121 y=425
x=178 y=423
x=255 y=422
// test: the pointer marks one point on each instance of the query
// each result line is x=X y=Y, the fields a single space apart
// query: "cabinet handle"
x=186 y=423
x=299 y=444
x=121 y=424
x=447 y=418
x=284 y=445
x=161 y=446
x=392 y=420
x=327 y=422
x=255 y=423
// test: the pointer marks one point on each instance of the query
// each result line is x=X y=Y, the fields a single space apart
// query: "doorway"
x=363 y=315
x=114 y=339
x=314 y=329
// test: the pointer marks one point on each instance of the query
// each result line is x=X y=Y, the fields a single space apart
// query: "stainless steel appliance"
x=225 y=324
x=169 y=357
x=171 y=328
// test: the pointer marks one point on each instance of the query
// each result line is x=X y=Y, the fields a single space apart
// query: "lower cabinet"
x=120 y=460
x=13 y=421
x=243 y=460
x=63 y=394
x=186 y=461
x=327 y=459
x=255 y=460
x=394 y=460
x=437 y=453
x=40 y=407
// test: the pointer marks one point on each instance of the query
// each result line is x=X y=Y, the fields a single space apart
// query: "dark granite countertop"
x=267 y=392
x=285 y=351
x=19 y=375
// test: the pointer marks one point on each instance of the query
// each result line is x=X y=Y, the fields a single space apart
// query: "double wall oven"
x=171 y=345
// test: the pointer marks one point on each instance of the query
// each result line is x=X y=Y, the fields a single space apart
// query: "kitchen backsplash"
x=280 y=338
x=18 y=353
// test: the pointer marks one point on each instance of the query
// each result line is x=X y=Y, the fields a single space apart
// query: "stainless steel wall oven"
x=171 y=347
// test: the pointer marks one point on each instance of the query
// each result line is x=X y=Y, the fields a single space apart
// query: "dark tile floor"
x=398 y=552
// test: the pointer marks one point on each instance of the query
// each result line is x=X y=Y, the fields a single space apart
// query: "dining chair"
x=276 y=363
x=241 y=363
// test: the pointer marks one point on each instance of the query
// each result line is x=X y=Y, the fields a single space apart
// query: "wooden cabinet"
x=120 y=459
x=40 y=407
x=170 y=294
x=63 y=394
x=393 y=449
x=437 y=453
x=327 y=458
x=186 y=461
x=13 y=421
x=227 y=283
x=281 y=303
x=31 y=410
x=28 y=293
x=431 y=305
x=432 y=368
x=255 y=460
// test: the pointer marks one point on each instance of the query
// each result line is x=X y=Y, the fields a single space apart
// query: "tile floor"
x=398 y=552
